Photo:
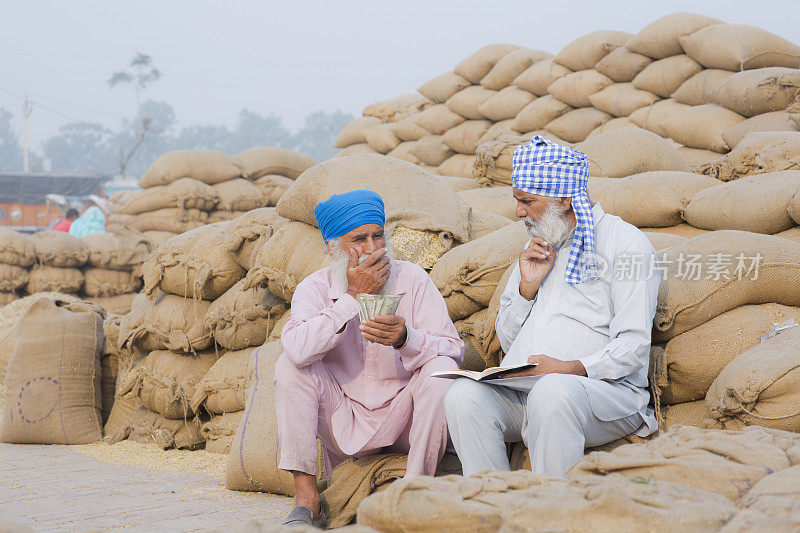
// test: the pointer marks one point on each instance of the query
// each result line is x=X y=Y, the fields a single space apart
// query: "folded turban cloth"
x=342 y=213
x=548 y=169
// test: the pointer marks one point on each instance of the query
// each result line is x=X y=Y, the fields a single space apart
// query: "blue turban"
x=342 y=213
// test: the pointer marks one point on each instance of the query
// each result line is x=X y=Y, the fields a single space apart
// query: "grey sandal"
x=304 y=516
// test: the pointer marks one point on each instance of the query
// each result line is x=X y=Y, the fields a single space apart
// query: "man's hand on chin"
x=549 y=365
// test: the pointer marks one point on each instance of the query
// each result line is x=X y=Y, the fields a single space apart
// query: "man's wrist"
x=404 y=339
x=528 y=290
x=577 y=368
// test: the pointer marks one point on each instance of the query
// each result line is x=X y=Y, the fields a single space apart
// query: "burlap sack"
x=576 y=125
x=624 y=152
x=408 y=130
x=773 y=504
x=467 y=101
x=397 y=108
x=108 y=383
x=272 y=187
x=149 y=427
x=431 y=150
x=697 y=89
x=701 y=126
x=726 y=462
x=512 y=65
x=652 y=199
x=793 y=234
x=218 y=432
x=696 y=157
x=239 y=195
x=685 y=303
x=249 y=232
x=484 y=222
x=497 y=130
x=681 y=230
x=622 y=65
x=53 y=279
x=773 y=121
x=756 y=203
x=621 y=99
x=497 y=200
x=650 y=117
x=758 y=91
x=115 y=253
x=117 y=305
x=757 y=153
x=739 y=47
x=437 y=119
x=464 y=137
x=223 y=216
x=457 y=183
x=506 y=104
x=412 y=196
x=661 y=38
x=52 y=382
x=16 y=248
x=457 y=165
x=253 y=461
x=665 y=76
x=584 y=52
x=208 y=166
x=197 y=264
x=185 y=193
x=12 y=277
x=613 y=124
x=539 y=76
x=686 y=414
x=442 y=87
x=167 y=322
x=539 y=113
x=574 y=89
x=355 y=131
x=692 y=360
x=223 y=388
x=102 y=282
x=173 y=220
x=761 y=386
x=59 y=249
x=7 y=297
x=481 y=325
x=479 y=63
x=423 y=248
x=155 y=238
x=262 y=160
x=467 y=275
x=382 y=139
x=661 y=241
x=473 y=360
x=493 y=160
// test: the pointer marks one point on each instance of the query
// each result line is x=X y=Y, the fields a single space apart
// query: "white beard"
x=554 y=227
x=341 y=261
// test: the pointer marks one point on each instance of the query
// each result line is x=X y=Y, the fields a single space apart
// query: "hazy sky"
x=289 y=57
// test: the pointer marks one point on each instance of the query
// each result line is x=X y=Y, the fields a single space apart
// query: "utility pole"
x=26 y=112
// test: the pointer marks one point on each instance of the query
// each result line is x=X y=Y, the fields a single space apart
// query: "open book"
x=494 y=372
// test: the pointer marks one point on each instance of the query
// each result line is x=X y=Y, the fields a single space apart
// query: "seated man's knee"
x=554 y=395
x=462 y=399
x=438 y=364
x=286 y=373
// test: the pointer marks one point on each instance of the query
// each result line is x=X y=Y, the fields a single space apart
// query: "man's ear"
x=566 y=204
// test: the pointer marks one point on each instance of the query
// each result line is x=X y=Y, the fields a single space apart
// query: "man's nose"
x=369 y=246
x=520 y=211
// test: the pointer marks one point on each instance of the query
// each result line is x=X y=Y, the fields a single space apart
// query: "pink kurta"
x=359 y=397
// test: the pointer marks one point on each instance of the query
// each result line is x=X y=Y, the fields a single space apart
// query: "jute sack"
x=622 y=99
x=497 y=200
x=16 y=248
x=12 y=277
x=442 y=87
x=218 y=432
x=7 y=297
x=540 y=112
x=506 y=104
x=407 y=129
x=513 y=501
x=457 y=165
x=59 y=249
x=758 y=91
x=685 y=303
x=650 y=117
x=652 y=199
x=482 y=324
x=52 y=382
x=113 y=252
x=118 y=305
x=740 y=47
x=53 y=279
x=622 y=65
x=382 y=139
x=493 y=160
x=665 y=76
x=468 y=101
x=154 y=238
x=272 y=187
x=624 y=152
x=771 y=505
x=512 y=65
x=697 y=89
x=576 y=125
x=108 y=383
x=661 y=241
x=497 y=130
x=539 y=76
x=482 y=352
x=355 y=131
x=102 y=282
x=613 y=124
x=241 y=318
x=223 y=388
x=423 y=248
x=756 y=203
x=208 y=166
x=173 y=220
x=239 y=195
x=761 y=386
x=794 y=209
x=196 y=264
x=467 y=275
x=223 y=216
x=479 y=63
x=681 y=230
x=457 y=183
x=772 y=121
x=793 y=234
x=661 y=38
x=185 y=193
x=692 y=360
x=253 y=461
x=574 y=89
x=413 y=198
x=431 y=150
x=484 y=222
x=584 y=52
x=757 y=153
x=686 y=414
x=149 y=427
x=701 y=126
x=472 y=357
x=167 y=322
x=437 y=119
x=696 y=157
x=726 y=462
x=262 y=160
x=397 y=108
x=464 y=137
x=249 y=232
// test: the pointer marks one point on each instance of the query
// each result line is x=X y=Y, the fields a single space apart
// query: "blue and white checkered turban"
x=548 y=169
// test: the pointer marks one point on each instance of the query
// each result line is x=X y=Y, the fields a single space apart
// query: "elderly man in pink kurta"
x=361 y=387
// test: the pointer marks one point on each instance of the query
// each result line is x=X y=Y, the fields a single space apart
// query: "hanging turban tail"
x=548 y=169
x=342 y=213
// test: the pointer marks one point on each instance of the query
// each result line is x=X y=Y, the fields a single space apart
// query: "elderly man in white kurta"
x=571 y=308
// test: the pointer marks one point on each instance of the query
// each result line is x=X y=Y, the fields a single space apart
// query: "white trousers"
x=554 y=420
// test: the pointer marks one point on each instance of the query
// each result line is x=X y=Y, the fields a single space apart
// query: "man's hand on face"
x=389 y=330
x=370 y=276
x=549 y=365
x=535 y=262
